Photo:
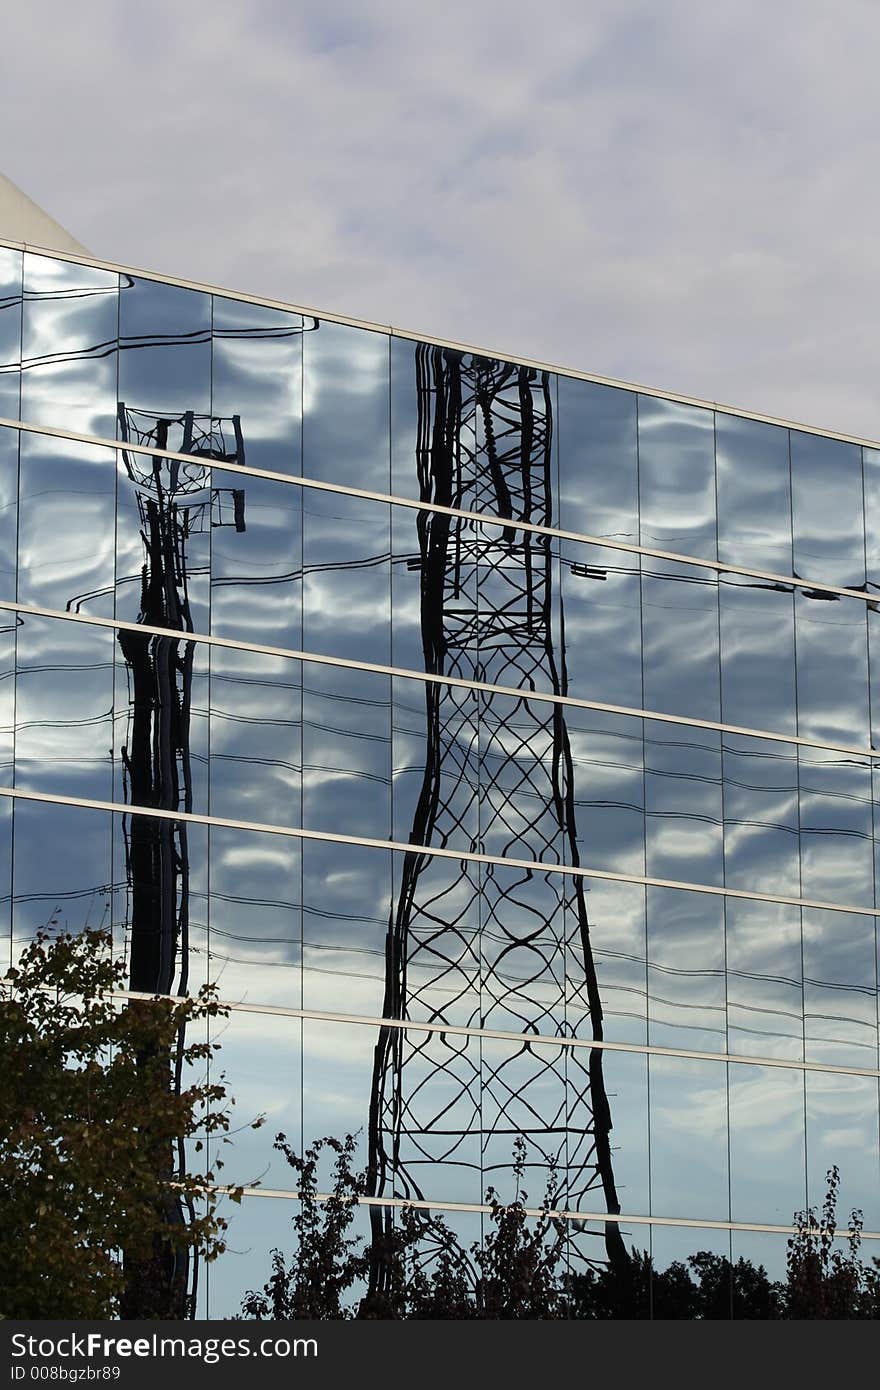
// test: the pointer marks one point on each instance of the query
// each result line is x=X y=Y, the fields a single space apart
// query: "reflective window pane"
x=598 y=460
x=68 y=348
x=345 y=406
x=164 y=365
x=67 y=500
x=767 y=1162
x=10 y=331
x=689 y=1166
x=677 y=477
x=256 y=381
x=754 y=494
x=827 y=510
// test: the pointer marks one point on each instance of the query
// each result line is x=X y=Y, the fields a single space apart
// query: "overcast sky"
x=682 y=193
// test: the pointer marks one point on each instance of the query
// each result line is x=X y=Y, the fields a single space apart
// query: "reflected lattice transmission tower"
x=496 y=945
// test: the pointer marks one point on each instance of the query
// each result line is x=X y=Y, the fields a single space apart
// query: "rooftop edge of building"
x=41 y=234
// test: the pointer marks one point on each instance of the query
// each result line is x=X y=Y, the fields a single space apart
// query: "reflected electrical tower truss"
x=502 y=947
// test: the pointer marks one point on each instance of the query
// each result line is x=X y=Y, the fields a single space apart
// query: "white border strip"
x=517 y=693
x=389 y=330
x=499 y=1035
x=478 y=518
x=561 y=1214
x=429 y=851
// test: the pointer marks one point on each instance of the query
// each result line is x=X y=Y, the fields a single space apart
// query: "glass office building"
x=499 y=740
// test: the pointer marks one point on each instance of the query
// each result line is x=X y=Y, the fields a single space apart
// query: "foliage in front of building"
x=100 y=1101
x=528 y=1266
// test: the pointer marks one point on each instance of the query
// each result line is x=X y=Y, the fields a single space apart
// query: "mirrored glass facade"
x=500 y=742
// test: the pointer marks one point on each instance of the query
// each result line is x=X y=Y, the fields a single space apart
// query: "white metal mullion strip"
x=298 y=832
x=500 y=1035
x=409 y=334
x=429 y=678
x=621 y=1219
x=479 y=518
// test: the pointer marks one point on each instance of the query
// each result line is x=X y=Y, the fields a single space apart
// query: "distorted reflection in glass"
x=689 y=1168
x=70 y=887
x=405 y=357
x=257 y=1226
x=256 y=378
x=523 y=1092
x=346 y=751
x=256 y=737
x=68 y=346
x=677 y=477
x=165 y=515
x=827 y=510
x=345 y=406
x=767 y=1161
x=683 y=803
x=67 y=499
x=765 y=991
x=757 y=655
x=761 y=823
x=600 y=620
x=434 y=578
x=836 y=825
x=840 y=987
x=754 y=494
x=874 y=670
x=760 y=1261
x=871 y=482
x=680 y=640
x=261 y=1059
x=160 y=902
x=615 y=933
x=64 y=708
x=522 y=781
x=434 y=1145
x=525 y=920
x=678 y=1258
x=8 y=624
x=256 y=917
x=625 y=1081
x=842 y=1126
x=10 y=331
x=432 y=951
x=8 y=512
x=347 y=581
x=686 y=1001
x=256 y=558
x=598 y=460
x=607 y=754
x=832 y=668
x=435 y=791
x=337 y=1062
x=6 y=811
x=346 y=905
x=164 y=361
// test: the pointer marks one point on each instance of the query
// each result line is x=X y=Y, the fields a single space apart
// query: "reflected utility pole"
x=175 y=501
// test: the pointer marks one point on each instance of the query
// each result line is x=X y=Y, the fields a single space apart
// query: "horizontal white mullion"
x=298 y=832
x=408 y=1025
x=429 y=678
x=478 y=518
x=390 y=330
x=560 y=1214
